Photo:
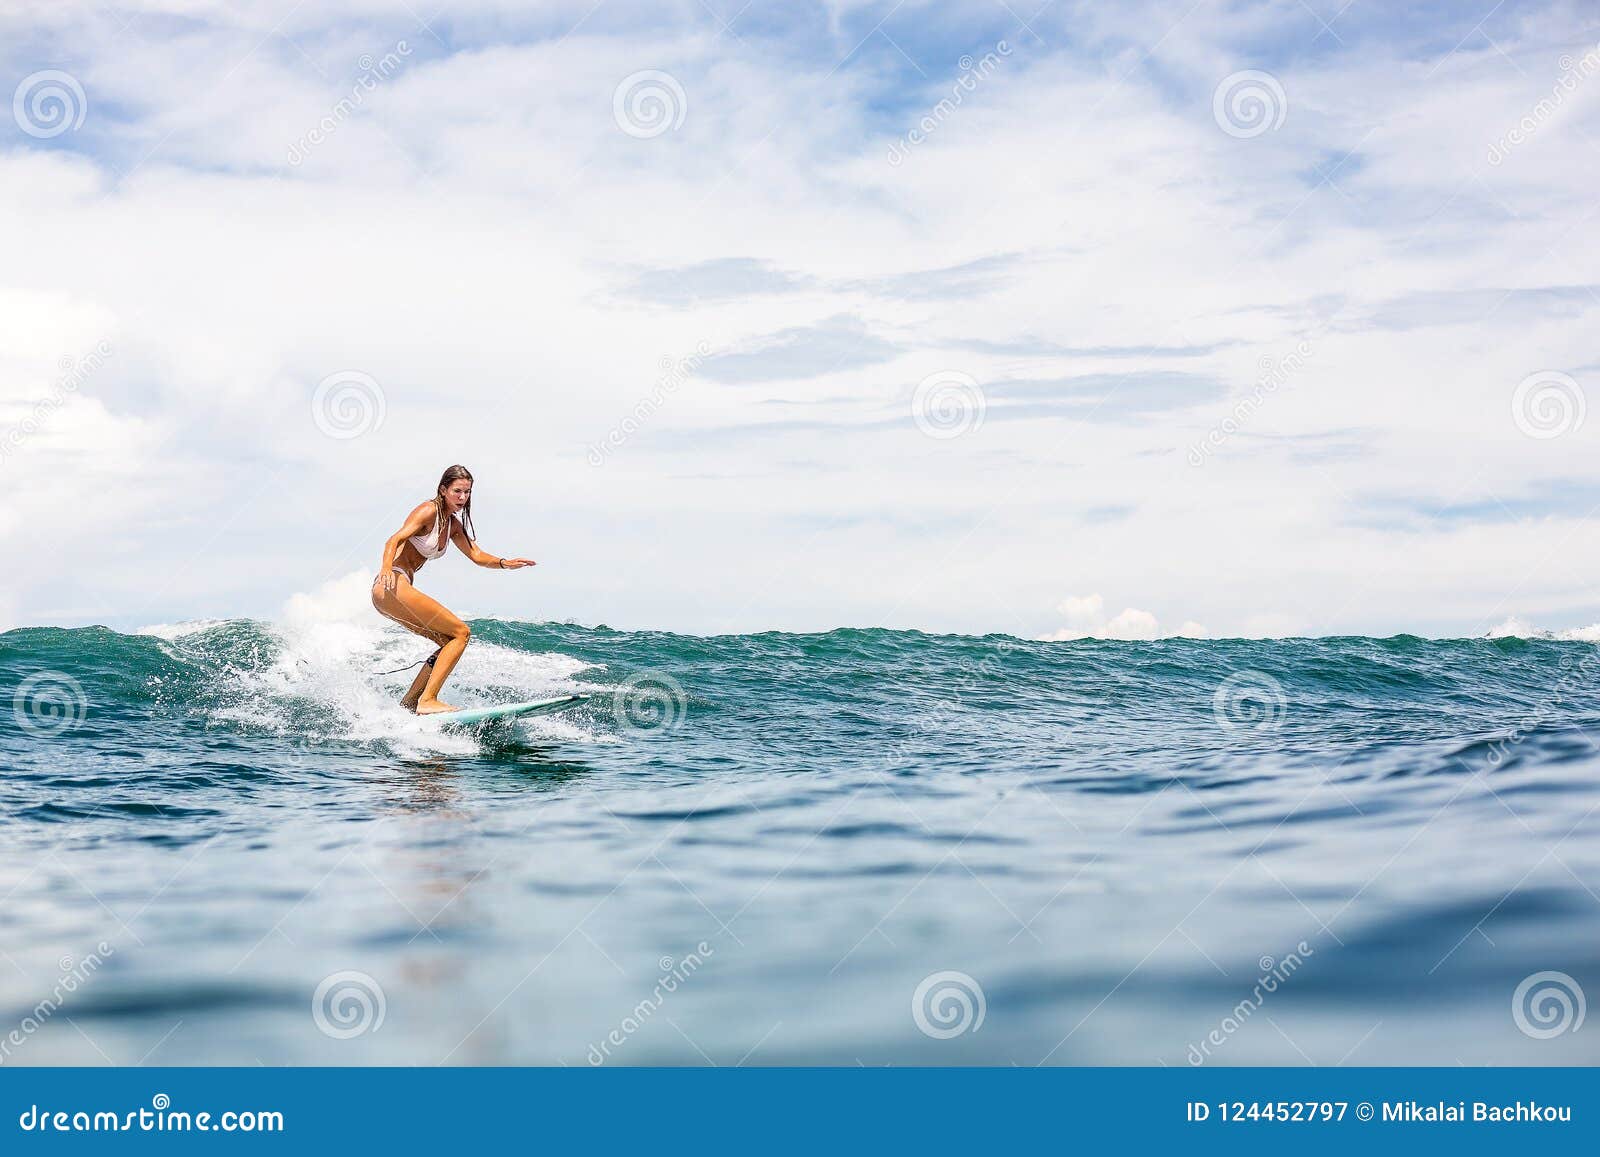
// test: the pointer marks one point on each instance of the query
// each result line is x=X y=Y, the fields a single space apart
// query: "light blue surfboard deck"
x=506 y=710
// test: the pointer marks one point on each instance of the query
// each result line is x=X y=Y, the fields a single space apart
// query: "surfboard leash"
x=429 y=661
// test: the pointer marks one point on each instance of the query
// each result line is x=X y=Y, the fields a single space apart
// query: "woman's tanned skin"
x=395 y=596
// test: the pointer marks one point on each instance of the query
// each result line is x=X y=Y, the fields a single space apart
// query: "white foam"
x=172 y=632
x=330 y=646
x=1515 y=628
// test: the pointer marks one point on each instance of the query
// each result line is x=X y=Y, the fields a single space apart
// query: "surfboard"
x=505 y=710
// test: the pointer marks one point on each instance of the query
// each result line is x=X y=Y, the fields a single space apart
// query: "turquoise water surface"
x=224 y=843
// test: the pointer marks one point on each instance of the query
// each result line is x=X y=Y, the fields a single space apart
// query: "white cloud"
x=1086 y=619
x=470 y=238
x=1133 y=624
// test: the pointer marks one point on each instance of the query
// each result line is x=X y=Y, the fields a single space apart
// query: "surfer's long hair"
x=454 y=474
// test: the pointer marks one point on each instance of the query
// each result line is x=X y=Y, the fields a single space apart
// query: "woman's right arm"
x=421 y=519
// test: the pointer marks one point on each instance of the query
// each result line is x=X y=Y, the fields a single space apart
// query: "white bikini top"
x=430 y=547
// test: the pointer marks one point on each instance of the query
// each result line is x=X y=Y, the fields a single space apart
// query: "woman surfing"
x=430 y=528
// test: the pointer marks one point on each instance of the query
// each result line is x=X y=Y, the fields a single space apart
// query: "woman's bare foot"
x=433 y=707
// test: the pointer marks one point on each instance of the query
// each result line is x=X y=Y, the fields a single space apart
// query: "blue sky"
x=1095 y=349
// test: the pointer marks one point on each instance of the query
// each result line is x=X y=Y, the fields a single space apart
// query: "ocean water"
x=223 y=843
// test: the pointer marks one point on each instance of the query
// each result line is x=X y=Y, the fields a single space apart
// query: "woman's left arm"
x=482 y=557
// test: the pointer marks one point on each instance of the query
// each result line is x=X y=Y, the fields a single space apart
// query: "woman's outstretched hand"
x=516 y=563
x=386 y=582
